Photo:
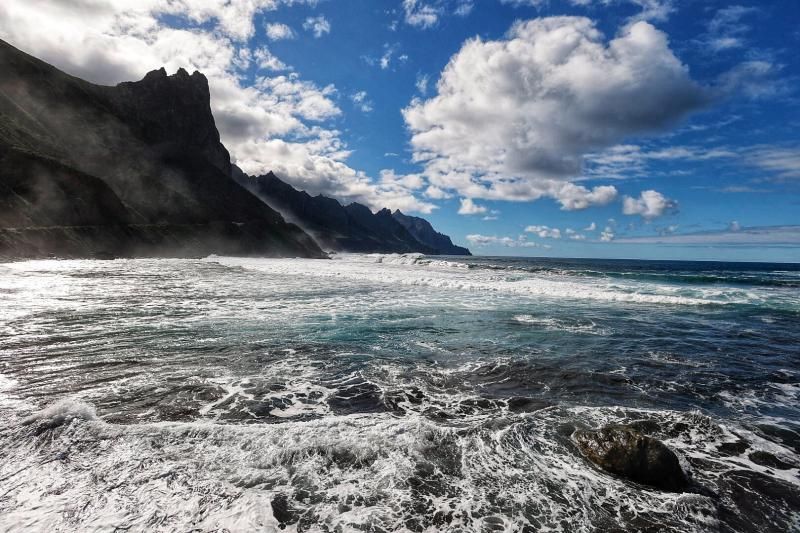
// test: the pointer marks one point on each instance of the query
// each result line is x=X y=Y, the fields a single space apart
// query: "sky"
x=655 y=129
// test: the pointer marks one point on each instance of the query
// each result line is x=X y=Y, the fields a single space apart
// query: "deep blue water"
x=394 y=393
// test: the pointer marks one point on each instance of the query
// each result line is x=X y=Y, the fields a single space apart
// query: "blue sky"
x=590 y=128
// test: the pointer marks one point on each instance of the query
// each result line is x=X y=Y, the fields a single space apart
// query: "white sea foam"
x=414 y=270
x=350 y=472
x=555 y=324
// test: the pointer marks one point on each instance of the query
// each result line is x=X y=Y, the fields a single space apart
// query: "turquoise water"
x=393 y=393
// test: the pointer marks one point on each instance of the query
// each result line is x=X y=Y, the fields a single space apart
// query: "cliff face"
x=350 y=228
x=422 y=230
x=136 y=169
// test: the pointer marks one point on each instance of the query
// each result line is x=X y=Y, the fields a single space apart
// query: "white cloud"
x=420 y=14
x=277 y=31
x=574 y=235
x=726 y=30
x=590 y=227
x=436 y=193
x=468 y=207
x=492 y=240
x=464 y=8
x=422 y=83
x=267 y=61
x=573 y=197
x=650 y=204
x=742 y=236
x=754 y=78
x=659 y=10
x=514 y=118
x=407 y=181
x=319 y=26
x=544 y=232
x=607 y=235
x=783 y=161
x=624 y=160
x=361 y=101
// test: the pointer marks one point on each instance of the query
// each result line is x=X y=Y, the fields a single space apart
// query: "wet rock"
x=282 y=511
x=733 y=448
x=627 y=453
x=769 y=460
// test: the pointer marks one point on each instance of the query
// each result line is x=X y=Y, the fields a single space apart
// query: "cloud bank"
x=513 y=118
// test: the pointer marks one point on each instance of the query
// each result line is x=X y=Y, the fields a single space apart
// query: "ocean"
x=393 y=393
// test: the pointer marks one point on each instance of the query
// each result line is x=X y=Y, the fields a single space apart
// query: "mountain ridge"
x=348 y=228
x=127 y=170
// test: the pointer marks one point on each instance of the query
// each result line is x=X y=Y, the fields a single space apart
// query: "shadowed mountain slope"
x=422 y=230
x=135 y=169
x=350 y=228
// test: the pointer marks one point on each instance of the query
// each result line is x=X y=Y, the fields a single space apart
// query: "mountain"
x=422 y=230
x=136 y=169
x=350 y=228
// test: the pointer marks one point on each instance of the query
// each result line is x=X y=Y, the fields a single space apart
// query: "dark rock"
x=627 y=453
x=282 y=511
x=422 y=230
x=733 y=448
x=769 y=460
x=132 y=170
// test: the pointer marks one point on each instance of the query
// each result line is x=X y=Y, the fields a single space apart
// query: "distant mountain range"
x=351 y=228
x=139 y=170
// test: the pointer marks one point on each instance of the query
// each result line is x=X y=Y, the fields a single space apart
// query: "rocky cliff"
x=350 y=228
x=135 y=169
x=422 y=230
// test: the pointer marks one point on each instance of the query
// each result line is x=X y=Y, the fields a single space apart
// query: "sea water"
x=393 y=393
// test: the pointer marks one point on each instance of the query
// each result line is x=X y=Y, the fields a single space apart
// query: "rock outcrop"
x=422 y=230
x=132 y=170
x=627 y=453
x=350 y=228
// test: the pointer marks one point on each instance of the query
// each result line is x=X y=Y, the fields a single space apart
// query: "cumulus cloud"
x=574 y=235
x=513 y=119
x=277 y=122
x=544 y=232
x=607 y=235
x=277 y=31
x=319 y=26
x=468 y=207
x=650 y=204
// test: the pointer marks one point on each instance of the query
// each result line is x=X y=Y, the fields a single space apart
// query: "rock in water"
x=630 y=454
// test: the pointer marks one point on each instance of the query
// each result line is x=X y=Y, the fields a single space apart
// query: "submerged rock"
x=625 y=452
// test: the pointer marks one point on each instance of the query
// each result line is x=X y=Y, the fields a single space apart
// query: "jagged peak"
x=157 y=74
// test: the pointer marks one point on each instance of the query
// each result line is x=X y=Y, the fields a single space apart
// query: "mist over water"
x=393 y=393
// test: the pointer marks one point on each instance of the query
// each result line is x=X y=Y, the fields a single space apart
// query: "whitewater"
x=393 y=393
